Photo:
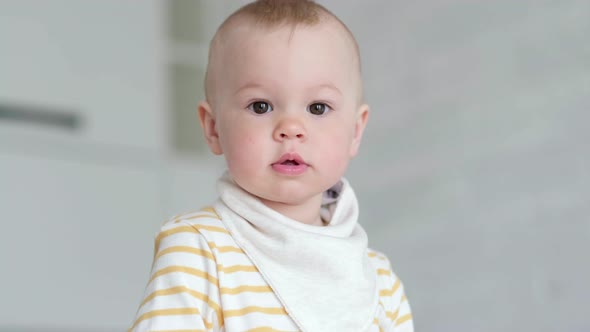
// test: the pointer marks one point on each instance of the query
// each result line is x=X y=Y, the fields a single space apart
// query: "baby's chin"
x=302 y=191
x=288 y=198
x=283 y=201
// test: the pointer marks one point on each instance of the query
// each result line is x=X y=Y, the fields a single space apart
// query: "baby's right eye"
x=260 y=107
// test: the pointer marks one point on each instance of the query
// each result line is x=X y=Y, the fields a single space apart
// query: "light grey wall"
x=79 y=206
x=473 y=176
x=474 y=173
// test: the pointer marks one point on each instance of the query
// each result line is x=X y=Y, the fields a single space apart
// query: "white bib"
x=321 y=275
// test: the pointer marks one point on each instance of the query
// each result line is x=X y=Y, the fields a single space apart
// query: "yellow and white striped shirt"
x=201 y=280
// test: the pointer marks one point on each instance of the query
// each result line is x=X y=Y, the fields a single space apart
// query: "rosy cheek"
x=250 y=140
x=335 y=150
x=244 y=150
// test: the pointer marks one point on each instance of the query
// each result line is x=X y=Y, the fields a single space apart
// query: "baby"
x=281 y=249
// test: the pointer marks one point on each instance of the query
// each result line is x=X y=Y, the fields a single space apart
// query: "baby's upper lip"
x=290 y=156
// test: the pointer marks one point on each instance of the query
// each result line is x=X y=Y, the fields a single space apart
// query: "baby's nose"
x=289 y=129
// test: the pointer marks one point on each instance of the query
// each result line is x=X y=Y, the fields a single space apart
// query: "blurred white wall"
x=79 y=204
x=479 y=148
x=473 y=175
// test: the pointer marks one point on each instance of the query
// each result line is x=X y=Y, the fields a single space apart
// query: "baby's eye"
x=318 y=108
x=260 y=107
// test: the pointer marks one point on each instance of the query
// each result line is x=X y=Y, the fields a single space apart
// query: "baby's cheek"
x=335 y=151
x=245 y=153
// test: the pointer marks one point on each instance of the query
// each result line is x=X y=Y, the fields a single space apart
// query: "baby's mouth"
x=290 y=164
x=290 y=159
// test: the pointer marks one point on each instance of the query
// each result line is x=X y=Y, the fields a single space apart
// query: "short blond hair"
x=276 y=13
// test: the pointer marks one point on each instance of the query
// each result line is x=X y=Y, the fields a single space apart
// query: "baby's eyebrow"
x=256 y=85
x=327 y=86
x=249 y=85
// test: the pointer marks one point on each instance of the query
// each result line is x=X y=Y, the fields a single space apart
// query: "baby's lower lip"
x=289 y=169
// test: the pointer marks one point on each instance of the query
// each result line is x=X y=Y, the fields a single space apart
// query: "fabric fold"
x=321 y=275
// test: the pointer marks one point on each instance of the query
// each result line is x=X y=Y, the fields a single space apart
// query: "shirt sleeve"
x=403 y=322
x=182 y=292
x=401 y=316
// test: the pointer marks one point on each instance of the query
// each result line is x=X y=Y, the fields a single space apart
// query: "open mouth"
x=290 y=164
x=290 y=159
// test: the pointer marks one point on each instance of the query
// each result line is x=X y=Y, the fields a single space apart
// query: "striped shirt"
x=201 y=280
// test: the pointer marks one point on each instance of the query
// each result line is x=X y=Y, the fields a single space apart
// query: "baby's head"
x=284 y=100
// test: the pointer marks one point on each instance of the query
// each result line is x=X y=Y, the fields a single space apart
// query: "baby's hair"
x=276 y=13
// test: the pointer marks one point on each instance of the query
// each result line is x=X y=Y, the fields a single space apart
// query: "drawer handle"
x=44 y=116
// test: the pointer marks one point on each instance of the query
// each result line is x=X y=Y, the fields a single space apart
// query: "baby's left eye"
x=318 y=108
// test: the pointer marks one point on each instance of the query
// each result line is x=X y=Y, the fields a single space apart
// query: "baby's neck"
x=307 y=212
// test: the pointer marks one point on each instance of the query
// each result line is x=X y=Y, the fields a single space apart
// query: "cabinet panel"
x=98 y=60
x=77 y=239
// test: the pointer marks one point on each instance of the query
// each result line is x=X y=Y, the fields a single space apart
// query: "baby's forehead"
x=230 y=39
x=240 y=28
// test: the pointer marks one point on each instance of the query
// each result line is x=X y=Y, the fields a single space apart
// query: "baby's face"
x=286 y=109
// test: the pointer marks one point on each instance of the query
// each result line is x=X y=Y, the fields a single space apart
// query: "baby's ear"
x=207 y=120
x=362 y=115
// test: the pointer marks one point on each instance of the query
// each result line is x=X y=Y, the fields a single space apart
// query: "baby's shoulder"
x=383 y=268
x=203 y=223
x=391 y=290
x=203 y=219
x=379 y=261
